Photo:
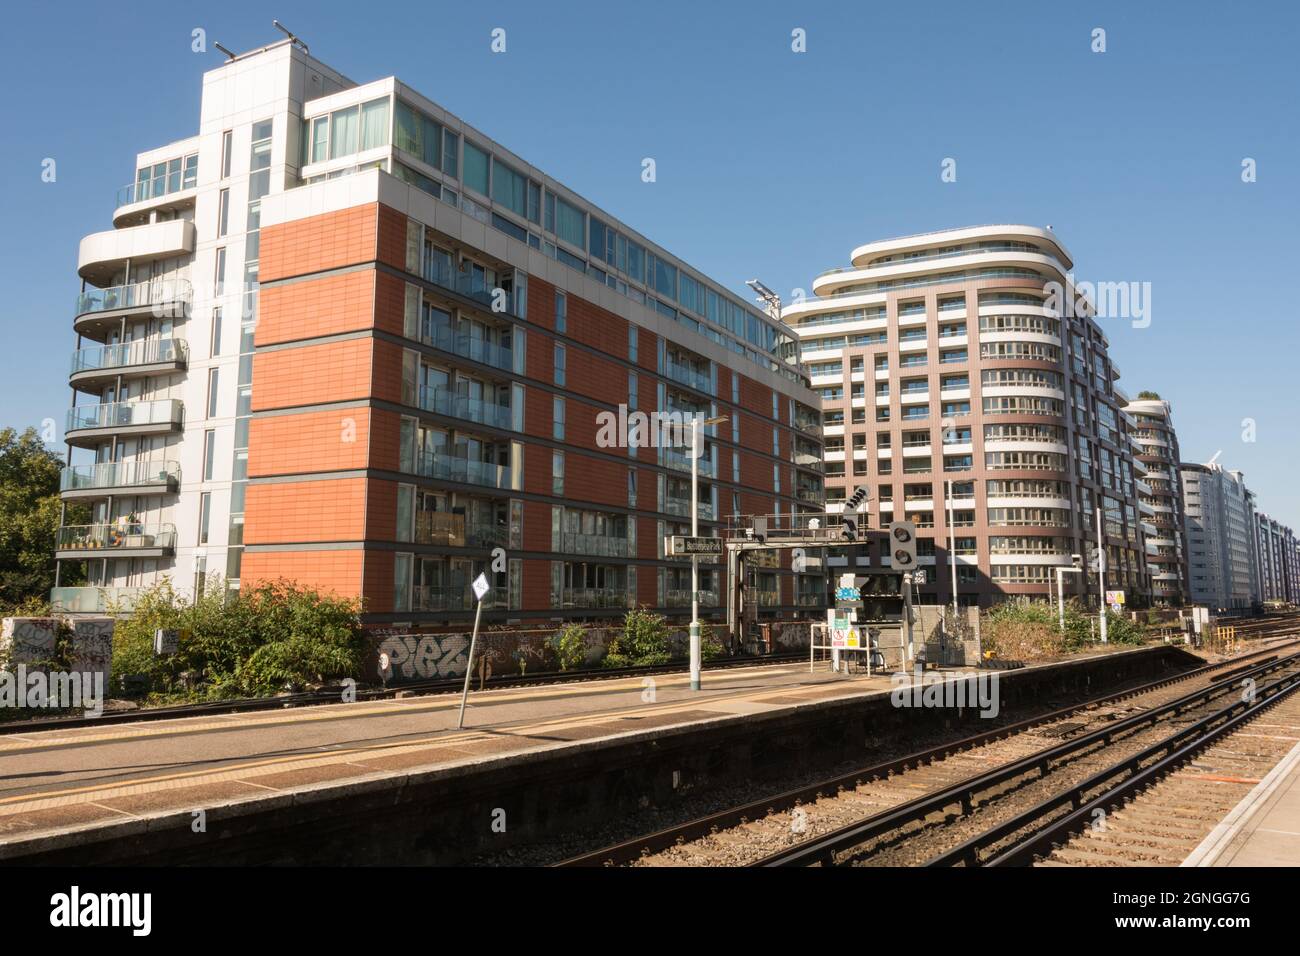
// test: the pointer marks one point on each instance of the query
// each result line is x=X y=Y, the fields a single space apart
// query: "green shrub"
x=570 y=647
x=261 y=641
x=710 y=647
x=642 y=642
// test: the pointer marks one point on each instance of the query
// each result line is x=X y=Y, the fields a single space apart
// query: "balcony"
x=808 y=461
x=93 y=600
x=448 y=529
x=680 y=461
x=123 y=539
x=87 y=424
x=101 y=310
x=591 y=598
x=466 y=470
x=681 y=597
x=93 y=368
x=104 y=478
x=104 y=255
x=762 y=598
x=473 y=348
x=682 y=508
x=464 y=284
x=600 y=545
x=688 y=376
x=443 y=401
x=455 y=598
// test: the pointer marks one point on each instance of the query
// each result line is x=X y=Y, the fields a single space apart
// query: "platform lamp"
x=697 y=449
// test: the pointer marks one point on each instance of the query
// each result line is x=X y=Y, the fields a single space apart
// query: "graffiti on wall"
x=425 y=656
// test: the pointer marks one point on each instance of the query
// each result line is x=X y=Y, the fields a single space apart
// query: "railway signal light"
x=902 y=545
x=857 y=499
x=849 y=528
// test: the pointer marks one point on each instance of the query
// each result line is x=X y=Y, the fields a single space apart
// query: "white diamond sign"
x=480 y=586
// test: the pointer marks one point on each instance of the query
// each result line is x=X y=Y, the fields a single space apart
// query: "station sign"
x=848 y=594
x=681 y=544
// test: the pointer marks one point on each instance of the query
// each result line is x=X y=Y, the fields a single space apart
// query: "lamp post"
x=697 y=449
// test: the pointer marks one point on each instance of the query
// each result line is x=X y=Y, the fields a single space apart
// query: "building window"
x=557 y=473
x=561 y=311
x=475 y=169
x=631 y=343
x=205 y=516
x=557 y=412
x=214 y=376
x=215 y=345
x=223 y=213
x=227 y=140
x=219 y=272
x=209 y=452
x=559 y=364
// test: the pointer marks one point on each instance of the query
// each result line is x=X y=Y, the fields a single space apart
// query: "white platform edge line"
x=1218 y=840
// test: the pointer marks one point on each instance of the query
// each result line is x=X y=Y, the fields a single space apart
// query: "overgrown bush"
x=710 y=647
x=642 y=642
x=570 y=647
x=1030 y=630
x=275 y=637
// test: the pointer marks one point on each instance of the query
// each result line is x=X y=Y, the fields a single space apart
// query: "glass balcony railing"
x=679 y=461
x=471 y=347
x=93 y=600
x=158 y=293
x=681 y=597
x=128 y=354
x=119 y=474
x=591 y=597
x=471 y=285
x=763 y=598
x=689 y=376
x=455 y=598
x=468 y=470
x=446 y=402
x=600 y=545
x=120 y=536
x=452 y=530
x=809 y=461
x=125 y=414
x=682 y=507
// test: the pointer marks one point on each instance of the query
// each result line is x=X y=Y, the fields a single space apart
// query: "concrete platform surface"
x=1262 y=830
x=54 y=780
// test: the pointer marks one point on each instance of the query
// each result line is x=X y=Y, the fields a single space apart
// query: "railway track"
x=1018 y=811
x=749 y=834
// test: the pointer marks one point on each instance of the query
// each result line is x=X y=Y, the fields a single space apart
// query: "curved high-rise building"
x=944 y=358
x=1161 y=493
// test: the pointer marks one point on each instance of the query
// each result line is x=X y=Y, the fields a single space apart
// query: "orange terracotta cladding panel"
x=317 y=243
x=295 y=511
x=336 y=572
x=313 y=374
x=337 y=440
x=310 y=308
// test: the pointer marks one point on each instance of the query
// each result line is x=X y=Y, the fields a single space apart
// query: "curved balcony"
x=101 y=310
x=127 y=477
x=95 y=367
x=103 y=255
x=87 y=424
x=123 y=539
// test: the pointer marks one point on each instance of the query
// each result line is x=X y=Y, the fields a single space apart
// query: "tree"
x=29 y=516
x=1149 y=396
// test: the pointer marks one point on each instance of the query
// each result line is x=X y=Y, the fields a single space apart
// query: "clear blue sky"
x=770 y=163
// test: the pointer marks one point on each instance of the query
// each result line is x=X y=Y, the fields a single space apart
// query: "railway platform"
x=394 y=780
x=1264 y=828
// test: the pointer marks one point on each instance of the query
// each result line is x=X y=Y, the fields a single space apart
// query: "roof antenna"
x=229 y=55
x=285 y=30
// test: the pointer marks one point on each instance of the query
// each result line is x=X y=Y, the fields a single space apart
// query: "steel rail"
x=630 y=850
x=1178 y=749
x=823 y=849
